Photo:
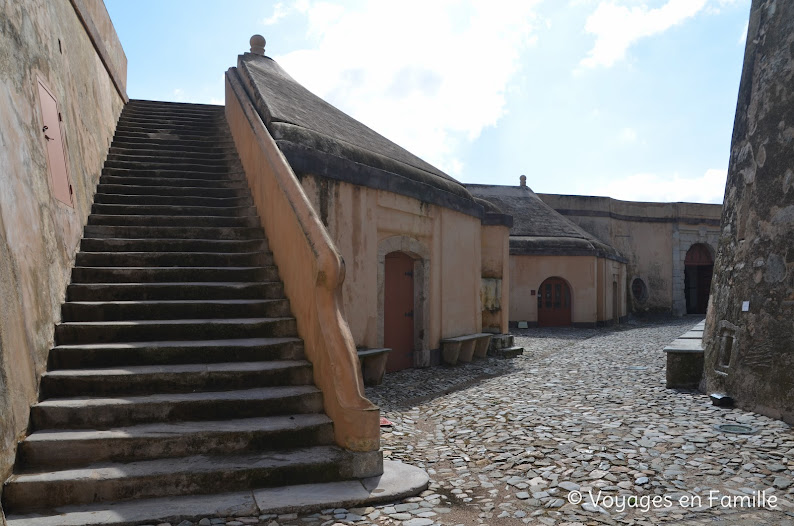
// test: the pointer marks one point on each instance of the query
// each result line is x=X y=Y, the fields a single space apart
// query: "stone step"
x=184 y=378
x=173 y=232
x=143 y=119
x=173 y=291
x=165 y=210
x=174 y=245
x=173 y=181
x=170 y=124
x=140 y=220
x=174 y=352
x=169 y=310
x=175 y=476
x=397 y=482
x=156 y=108
x=147 y=119
x=177 y=174
x=175 y=125
x=73 y=332
x=173 y=164
x=124 y=133
x=171 y=274
x=105 y=413
x=173 y=259
x=180 y=190
x=508 y=352
x=126 y=199
x=60 y=449
x=223 y=147
x=180 y=130
x=142 y=111
x=134 y=154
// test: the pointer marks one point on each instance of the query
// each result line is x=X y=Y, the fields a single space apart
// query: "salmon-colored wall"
x=461 y=274
x=367 y=223
x=590 y=278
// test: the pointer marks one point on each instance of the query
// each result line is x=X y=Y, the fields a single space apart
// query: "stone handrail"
x=312 y=271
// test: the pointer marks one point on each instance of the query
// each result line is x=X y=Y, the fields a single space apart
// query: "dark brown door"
x=704 y=275
x=554 y=303
x=56 y=157
x=698 y=270
x=398 y=311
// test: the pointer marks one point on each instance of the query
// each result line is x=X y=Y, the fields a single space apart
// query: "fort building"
x=669 y=247
x=560 y=274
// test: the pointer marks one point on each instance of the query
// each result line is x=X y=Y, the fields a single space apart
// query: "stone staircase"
x=177 y=368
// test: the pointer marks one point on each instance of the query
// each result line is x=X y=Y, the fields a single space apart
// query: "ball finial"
x=523 y=180
x=258 y=45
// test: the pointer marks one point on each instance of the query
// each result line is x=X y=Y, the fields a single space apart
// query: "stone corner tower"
x=749 y=335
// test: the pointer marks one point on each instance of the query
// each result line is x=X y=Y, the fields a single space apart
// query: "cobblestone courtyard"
x=582 y=413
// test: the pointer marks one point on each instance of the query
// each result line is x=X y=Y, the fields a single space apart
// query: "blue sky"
x=629 y=99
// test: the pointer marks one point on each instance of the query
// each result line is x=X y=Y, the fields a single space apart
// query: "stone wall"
x=653 y=237
x=46 y=41
x=750 y=324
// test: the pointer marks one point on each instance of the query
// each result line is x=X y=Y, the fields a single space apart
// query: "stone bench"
x=373 y=364
x=465 y=348
x=685 y=360
x=503 y=346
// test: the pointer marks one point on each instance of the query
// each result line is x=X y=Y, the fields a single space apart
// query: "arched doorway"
x=554 y=303
x=698 y=268
x=398 y=310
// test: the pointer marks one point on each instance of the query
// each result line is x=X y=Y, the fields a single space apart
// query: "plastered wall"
x=366 y=224
x=39 y=235
x=590 y=279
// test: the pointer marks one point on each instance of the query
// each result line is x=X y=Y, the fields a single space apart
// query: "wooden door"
x=704 y=275
x=698 y=270
x=56 y=156
x=554 y=303
x=398 y=311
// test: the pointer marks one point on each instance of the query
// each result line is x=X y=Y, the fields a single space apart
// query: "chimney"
x=523 y=180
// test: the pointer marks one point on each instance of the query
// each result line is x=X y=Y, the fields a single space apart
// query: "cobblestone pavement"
x=580 y=430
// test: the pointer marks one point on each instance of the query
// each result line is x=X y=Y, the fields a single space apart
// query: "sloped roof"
x=539 y=229
x=319 y=139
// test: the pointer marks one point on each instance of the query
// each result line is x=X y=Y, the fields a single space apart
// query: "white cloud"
x=743 y=36
x=616 y=27
x=627 y=136
x=709 y=188
x=715 y=7
x=279 y=12
x=428 y=75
